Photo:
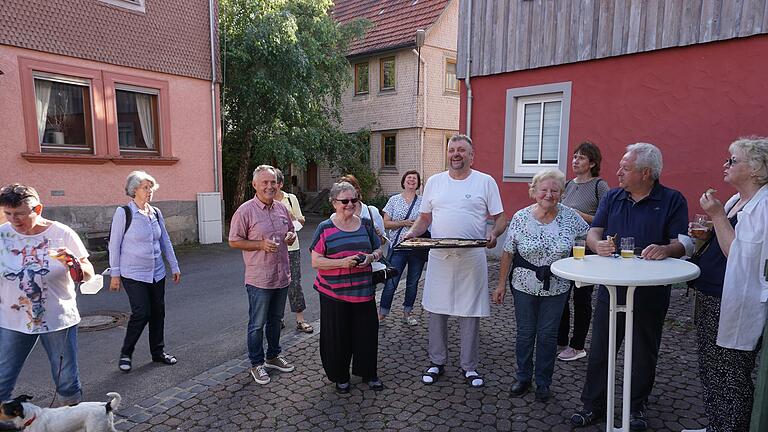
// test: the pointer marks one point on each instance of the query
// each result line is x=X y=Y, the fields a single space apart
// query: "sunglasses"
x=347 y=201
x=731 y=161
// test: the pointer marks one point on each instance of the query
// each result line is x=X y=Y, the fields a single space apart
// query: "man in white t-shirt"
x=38 y=260
x=457 y=204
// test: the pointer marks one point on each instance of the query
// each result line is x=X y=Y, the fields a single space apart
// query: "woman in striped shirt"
x=343 y=249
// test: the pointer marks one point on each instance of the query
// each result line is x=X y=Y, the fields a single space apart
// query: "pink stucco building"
x=94 y=89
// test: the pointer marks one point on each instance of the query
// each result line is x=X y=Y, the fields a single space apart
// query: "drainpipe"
x=469 y=62
x=214 y=122
x=420 y=36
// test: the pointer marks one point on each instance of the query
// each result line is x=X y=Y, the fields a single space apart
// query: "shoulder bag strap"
x=407 y=215
x=128 y=218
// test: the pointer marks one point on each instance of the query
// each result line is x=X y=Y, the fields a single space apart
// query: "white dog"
x=85 y=416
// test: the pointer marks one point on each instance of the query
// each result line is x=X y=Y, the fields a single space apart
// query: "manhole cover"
x=102 y=320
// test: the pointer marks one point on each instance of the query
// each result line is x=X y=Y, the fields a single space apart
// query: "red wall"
x=691 y=102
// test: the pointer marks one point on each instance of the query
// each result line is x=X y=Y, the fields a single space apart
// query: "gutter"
x=469 y=62
x=214 y=122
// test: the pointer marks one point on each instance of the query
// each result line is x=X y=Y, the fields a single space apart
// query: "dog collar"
x=29 y=422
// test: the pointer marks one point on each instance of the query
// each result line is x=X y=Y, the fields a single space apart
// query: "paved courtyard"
x=226 y=398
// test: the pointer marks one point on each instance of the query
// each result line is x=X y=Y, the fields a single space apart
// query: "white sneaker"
x=570 y=354
x=410 y=320
x=695 y=430
x=259 y=374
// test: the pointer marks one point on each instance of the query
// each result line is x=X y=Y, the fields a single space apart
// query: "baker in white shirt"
x=457 y=204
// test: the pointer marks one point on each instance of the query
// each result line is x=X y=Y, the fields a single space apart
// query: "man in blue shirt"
x=654 y=215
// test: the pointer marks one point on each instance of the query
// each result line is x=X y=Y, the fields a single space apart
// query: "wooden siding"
x=513 y=35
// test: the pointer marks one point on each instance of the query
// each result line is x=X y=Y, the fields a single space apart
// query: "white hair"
x=647 y=156
x=756 y=150
x=261 y=168
x=338 y=188
x=134 y=180
x=546 y=174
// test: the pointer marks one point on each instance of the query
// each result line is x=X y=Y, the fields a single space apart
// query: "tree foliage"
x=284 y=69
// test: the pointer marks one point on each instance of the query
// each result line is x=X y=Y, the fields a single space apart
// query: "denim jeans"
x=15 y=348
x=265 y=312
x=399 y=260
x=538 y=319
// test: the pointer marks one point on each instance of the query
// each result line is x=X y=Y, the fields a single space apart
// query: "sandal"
x=430 y=376
x=304 y=327
x=125 y=363
x=165 y=358
x=473 y=378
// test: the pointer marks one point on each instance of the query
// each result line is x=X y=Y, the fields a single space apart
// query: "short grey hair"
x=279 y=176
x=135 y=178
x=647 y=156
x=261 y=168
x=756 y=150
x=546 y=174
x=340 y=187
x=461 y=137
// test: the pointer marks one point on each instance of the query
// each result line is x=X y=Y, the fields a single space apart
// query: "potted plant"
x=58 y=118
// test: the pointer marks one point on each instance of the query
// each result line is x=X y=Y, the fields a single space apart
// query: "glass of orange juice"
x=579 y=249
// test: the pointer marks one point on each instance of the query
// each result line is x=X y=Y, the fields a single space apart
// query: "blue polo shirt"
x=655 y=219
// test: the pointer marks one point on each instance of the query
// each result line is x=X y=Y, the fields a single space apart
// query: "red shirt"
x=255 y=220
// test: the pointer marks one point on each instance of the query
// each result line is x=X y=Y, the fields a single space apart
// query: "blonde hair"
x=546 y=174
x=756 y=150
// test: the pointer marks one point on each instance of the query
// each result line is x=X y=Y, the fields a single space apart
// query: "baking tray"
x=442 y=243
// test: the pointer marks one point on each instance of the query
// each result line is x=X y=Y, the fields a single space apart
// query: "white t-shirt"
x=37 y=295
x=460 y=208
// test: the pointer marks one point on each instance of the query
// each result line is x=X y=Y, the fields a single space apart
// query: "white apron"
x=457 y=283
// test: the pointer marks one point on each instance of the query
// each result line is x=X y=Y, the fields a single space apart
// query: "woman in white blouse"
x=538 y=235
x=399 y=214
x=727 y=375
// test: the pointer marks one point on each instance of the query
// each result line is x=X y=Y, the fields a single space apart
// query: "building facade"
x=407 y=97
x=545 y=76
x=94 y=89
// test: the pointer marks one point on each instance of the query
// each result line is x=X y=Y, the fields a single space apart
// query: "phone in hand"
x=359 y=258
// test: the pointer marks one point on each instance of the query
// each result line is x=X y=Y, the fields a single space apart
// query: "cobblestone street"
x=227 y=399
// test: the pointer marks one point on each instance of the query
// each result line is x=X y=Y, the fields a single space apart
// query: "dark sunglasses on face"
x=731 y=161
x=347 y=201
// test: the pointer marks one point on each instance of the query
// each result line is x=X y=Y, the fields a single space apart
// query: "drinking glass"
x=579 y=249
x=277 y=238
x=627 y=247
x=699 y=226
x=53 y=246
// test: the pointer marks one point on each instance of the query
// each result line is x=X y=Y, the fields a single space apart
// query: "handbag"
x=388 y=272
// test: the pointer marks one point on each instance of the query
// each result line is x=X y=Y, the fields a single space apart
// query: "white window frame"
x=133 y=5
x=514 y=169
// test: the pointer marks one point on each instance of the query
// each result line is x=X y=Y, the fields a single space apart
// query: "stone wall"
x=92 y=223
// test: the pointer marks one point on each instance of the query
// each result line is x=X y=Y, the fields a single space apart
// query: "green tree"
x=284 y=69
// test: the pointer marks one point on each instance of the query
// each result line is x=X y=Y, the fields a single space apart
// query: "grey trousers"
x=470 y=340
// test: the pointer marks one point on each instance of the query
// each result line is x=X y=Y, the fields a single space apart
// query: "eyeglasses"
x=731 y=161
x=347 y=201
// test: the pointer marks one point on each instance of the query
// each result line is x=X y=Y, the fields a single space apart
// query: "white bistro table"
x=632 y=273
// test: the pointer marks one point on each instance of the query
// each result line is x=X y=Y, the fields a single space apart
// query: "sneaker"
x=279 y=363
x=410 y=320
x=695 y=430
x=342 y=388
x=125 y=363
x=259 y=374
x=582 y=418
x=637 y=421
x=375 y=384
x=561 y=348
x=570 y=354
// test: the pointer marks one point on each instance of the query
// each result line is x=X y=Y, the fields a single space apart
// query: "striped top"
x=353 y=285
x=585 y=197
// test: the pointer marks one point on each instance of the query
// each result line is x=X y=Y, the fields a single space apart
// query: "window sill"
x=145 y=160
x=82 y=159
x=388 y=170
x=65 y=158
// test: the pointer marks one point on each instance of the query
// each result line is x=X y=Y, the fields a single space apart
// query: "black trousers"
x=582 y=316
x=147 y=307
x=647 y=330
x=348 y=332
